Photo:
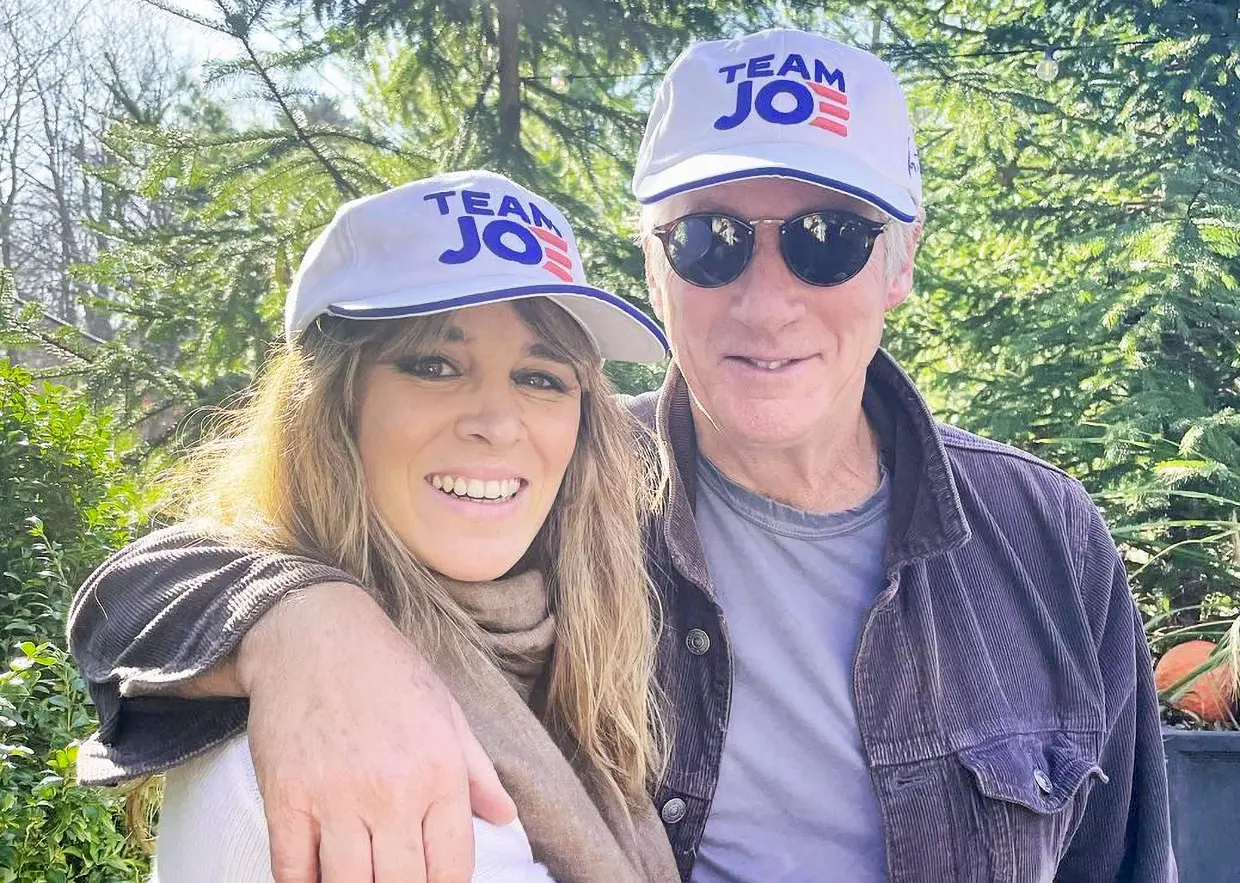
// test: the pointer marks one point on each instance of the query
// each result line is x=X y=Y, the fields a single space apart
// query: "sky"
x=200 y=46
x=199 y=43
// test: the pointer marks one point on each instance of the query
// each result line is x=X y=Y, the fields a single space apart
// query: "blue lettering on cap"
x=828 y=76
x=764 y=103
x=502 y=236
x=530 y=252
x=441 y=198
x=796 y=63
x=729 y=71
x=475 y=202
x=541 y=220
x=793 y=63
x=760 y=66
x=510 y=205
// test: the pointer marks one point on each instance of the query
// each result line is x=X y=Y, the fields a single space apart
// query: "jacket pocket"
x=1029 y=795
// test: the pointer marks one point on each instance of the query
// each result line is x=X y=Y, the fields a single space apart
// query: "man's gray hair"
x=898 y=238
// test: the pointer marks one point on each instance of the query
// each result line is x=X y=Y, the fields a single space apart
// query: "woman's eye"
x=428 y=367
x=541 y=380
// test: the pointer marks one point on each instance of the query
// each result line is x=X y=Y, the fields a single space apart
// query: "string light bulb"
x=559 y=80
x=1048 y=67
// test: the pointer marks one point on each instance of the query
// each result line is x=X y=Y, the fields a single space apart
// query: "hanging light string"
x=560 y=79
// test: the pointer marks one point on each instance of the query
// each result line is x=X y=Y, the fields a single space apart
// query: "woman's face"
x=464 y=448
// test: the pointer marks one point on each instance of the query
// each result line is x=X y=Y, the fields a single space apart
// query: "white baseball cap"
x=781 y=103
x=453 y=241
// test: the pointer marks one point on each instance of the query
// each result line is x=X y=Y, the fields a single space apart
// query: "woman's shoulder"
x=211 y=822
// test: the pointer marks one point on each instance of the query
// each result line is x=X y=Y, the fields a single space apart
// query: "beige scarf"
x=579 y=828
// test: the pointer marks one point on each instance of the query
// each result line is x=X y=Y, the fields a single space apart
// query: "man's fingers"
x=338 y=760
x=344 y=852
x=487 y=796
x=294 y=848
x=396 y=851
x=448 y=840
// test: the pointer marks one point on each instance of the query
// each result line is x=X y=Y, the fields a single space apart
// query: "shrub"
x=66 y=501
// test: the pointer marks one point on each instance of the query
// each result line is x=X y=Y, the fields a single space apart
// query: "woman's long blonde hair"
x=285 y=473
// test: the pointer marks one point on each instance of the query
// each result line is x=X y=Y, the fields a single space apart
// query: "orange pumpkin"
x=1211 y=694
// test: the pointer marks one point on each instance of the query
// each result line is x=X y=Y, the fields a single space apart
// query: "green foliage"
x=634 y=379
x=65 y=503
x=1077 y=290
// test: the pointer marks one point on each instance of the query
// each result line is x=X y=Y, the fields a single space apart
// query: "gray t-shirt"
x=794 y=801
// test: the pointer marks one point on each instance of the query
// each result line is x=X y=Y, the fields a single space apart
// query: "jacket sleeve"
x=156 y=614
x=1125 y=833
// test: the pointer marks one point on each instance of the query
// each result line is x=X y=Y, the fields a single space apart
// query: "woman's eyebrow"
x=542 y=351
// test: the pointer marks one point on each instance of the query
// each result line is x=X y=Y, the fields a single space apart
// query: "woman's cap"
x=458 y=240
x=781 y=103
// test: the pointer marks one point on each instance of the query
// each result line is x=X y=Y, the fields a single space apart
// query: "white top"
x=212 y=828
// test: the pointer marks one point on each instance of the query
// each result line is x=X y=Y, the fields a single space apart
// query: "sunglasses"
x=823 y=248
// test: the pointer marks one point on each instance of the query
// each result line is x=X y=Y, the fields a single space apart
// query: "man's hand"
x=367 y=767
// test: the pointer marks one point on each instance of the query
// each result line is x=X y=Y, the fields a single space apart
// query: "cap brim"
x=824 y=166
x=620 y=331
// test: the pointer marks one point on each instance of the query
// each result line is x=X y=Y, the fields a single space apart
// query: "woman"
x=440 y=428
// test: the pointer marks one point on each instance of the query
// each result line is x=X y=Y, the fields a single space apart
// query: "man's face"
x=821 y=339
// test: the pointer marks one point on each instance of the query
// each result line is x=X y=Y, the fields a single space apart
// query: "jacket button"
x=1043 y=781
x=673 y=811
x=697 y=641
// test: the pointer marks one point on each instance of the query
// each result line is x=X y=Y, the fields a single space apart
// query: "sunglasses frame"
x=872 y=228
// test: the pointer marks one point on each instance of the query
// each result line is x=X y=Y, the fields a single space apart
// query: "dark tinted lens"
x=826 y=248
x=708 y=250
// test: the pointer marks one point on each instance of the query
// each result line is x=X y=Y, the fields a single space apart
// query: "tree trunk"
x=56 y=129
x=98 y=323
x=509 y=77
x=876 y=28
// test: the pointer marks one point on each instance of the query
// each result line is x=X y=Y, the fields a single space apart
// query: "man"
x=892 y=650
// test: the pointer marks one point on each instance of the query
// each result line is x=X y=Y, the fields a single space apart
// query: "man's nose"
x=768 y=296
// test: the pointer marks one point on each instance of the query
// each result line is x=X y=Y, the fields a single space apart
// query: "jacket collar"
x=927 y=517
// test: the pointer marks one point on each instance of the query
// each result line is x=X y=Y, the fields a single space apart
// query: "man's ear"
x=901 y=284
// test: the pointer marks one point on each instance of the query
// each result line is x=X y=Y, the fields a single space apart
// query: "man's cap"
x=781 y=103
x=452 y=241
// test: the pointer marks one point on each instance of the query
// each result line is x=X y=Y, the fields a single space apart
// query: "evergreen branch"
x=465 y=131
x=172 y=9
x=344 y=187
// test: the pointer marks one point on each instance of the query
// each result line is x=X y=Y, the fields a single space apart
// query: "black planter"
x=1203 y=771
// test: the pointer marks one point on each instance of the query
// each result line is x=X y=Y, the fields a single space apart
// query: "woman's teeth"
x=476 y=488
